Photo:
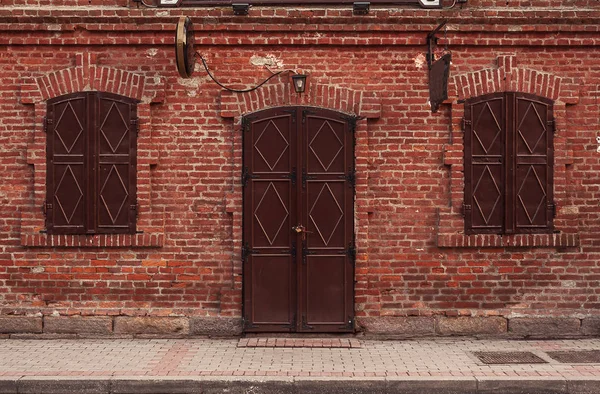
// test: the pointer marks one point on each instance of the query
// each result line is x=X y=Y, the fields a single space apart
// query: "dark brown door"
x=298 y=239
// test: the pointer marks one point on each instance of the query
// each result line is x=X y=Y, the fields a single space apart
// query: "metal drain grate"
x=576 y=356
x=509 y=358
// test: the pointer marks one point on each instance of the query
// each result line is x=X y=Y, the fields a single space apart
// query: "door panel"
x=298 y=221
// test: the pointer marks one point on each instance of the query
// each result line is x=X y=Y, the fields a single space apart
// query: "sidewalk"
x=221 y=366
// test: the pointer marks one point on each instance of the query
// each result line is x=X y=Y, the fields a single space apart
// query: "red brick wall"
x=416 y=272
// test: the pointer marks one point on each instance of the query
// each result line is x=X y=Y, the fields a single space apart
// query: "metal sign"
x=438 y=81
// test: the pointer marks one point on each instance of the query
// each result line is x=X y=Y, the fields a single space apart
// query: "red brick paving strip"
x=300 y=342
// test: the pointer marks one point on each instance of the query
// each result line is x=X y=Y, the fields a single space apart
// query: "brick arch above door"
x=363 y=104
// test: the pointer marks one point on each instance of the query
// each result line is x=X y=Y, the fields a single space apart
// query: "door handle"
x=299 y=228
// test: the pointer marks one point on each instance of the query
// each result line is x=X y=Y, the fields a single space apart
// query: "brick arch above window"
x=509 y=77
x=87 y=75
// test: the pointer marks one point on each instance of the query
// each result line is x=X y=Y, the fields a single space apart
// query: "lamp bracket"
x=431 y=41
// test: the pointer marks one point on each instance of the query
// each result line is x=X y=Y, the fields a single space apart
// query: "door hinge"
x=349 y=324
x=552 y=209
x=45 y=207
x=305 y=177
x=291 y=176
x=352 y=121
x=291 y=325
x=551 y=125
x=247 y=324
x=135 y=124
x=246 y=121
x=465 y=123
x=305 y=325
x=306 y=252
x=306 y=112
x=466 y=210
x=134 y=207
x=47 y=122
x=292 y=112
x=246 y=251
x=350 y=177
x=246 y=175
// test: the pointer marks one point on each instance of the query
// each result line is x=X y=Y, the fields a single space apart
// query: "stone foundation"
x=371 y=327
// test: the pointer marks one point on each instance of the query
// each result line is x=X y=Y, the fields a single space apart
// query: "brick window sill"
x=144 y=240
x=509 y=241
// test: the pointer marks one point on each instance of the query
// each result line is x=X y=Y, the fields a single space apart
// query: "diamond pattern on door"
x=326 y=202
x=326 y=145
x=68 y=128
x=68 y=194
x=271 y=145
x=114 y=128
x=298 y=230
x=271 y=213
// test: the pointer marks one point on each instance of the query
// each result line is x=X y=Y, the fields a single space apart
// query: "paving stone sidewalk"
x=221 y=366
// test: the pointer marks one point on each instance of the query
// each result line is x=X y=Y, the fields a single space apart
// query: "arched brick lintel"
x=234 y=105
x=88 y=75
x=509 y=77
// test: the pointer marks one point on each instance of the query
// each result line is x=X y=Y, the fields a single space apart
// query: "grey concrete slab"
x=62 y=385
x=437 y=385
x=516 y=385
x=8 y=385
x=156 y=386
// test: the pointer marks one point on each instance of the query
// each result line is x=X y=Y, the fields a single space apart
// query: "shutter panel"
x=533 y=136
x=484 y=164
x=116 y=133
x=67 y=141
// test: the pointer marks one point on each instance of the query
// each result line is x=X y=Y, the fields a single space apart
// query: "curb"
x=298 y=385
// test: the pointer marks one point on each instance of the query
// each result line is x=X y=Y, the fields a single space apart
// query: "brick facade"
x=417 y=273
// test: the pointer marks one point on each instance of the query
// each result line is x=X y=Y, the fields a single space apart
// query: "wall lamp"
x=299 y=81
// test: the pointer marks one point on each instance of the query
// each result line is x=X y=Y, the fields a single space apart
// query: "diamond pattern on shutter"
x=114 y=194
x=68 y=128
x=326 y=213
x=114 y=121
x=271 y=213
x=326 y=145
x=68 y=194
x=273 y=145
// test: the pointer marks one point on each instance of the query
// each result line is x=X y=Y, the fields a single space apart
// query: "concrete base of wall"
x=383 y=327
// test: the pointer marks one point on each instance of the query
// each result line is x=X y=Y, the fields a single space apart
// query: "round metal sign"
x=184 y=47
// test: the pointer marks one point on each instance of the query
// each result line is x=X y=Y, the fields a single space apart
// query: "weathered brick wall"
x=416 y=273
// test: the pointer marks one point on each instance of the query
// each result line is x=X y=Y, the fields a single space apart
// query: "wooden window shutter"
x=66 y=151
x=116 y=188
x=91 y=164
x=484 y=164
x=533 y=168
x=508 y=164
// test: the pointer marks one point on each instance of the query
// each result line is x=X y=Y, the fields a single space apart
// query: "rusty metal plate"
x=509 y=358
x=576 y=356
x=438 y=81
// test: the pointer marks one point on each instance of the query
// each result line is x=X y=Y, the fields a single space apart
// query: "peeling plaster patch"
x=569 y=283
x=37 y=270
x=152 y=52
x=269 y=60
x=162 y=13
x=54 y=27
x=420 y=61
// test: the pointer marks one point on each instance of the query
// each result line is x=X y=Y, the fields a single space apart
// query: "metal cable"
x=236 y=90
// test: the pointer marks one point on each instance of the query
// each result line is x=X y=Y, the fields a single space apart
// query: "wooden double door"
x=298 y=226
